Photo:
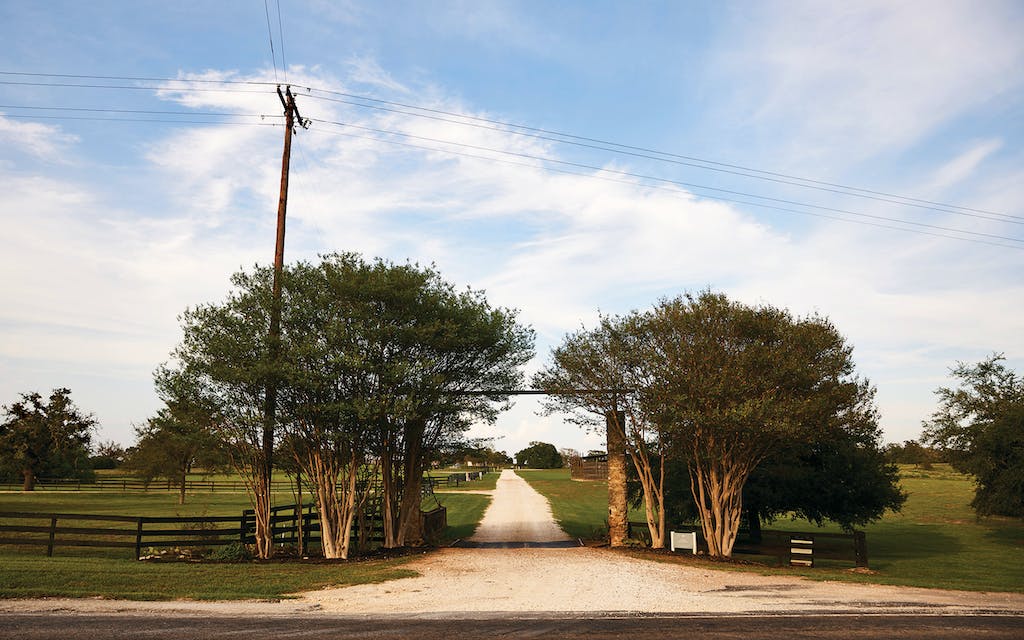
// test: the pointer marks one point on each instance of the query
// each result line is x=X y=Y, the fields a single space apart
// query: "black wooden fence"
x=52 y=530
x=130 y=483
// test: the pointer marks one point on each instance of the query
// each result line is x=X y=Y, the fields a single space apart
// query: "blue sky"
x=113 y=228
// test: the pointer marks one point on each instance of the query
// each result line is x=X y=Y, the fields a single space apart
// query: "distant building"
x=592 y=467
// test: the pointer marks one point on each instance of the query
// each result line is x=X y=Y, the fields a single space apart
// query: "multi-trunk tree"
x=601 y=379
x=717 y=388
x=377 y=368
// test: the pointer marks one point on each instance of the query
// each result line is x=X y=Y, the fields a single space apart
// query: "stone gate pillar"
x=618 y=517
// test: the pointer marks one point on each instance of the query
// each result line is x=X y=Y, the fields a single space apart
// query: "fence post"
x=138 y=539
x=53 y=533
x=860 y=548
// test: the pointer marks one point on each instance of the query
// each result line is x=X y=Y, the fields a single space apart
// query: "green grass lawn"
x=465 y=510
x=936 y=541
x=31 y=576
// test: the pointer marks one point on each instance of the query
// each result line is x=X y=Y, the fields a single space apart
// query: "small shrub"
x=234 y=552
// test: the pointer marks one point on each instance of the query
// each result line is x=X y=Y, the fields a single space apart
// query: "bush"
x=234 y=552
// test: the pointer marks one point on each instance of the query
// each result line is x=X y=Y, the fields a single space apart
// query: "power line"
x=138 y=78
x=163 y=120
x=666 y=180
x=690 y=186
x=671 y=190
x=145 y=111
x=643 y=151
x=565 y=138
x=610 y=146
x=270 y=36
x=280 y=39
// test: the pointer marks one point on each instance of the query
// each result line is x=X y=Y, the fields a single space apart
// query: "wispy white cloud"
x=45 y=141
x=867 y=77
x=963 y=166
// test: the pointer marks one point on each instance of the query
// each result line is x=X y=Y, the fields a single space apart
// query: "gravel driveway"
x=520 y=560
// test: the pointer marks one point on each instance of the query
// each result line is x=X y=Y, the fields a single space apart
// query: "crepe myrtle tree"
x=224 y=348
x=378 y=358
x=737 y=383
x=371 y=371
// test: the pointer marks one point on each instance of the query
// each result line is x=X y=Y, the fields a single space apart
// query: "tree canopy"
x=45 y=438
x=539 y=455
x=181 y=435
x=979 y=426
x=738 y=383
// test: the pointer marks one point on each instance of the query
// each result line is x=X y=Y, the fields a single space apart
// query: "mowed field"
x=25 y=571
x=936 y=541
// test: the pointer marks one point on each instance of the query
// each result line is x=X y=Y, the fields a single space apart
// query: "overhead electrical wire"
x=270 y=36
x=164 y=120
x=147 y=111
x=952 y=209
x=690 y=186
x=676 y=192
x=280 y=40
x=643 y=151
x=564 y=138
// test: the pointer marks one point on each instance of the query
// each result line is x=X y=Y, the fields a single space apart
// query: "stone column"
x=618 y=515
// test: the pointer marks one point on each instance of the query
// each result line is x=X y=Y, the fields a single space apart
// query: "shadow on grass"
x=920 y=542
x=1002 y=534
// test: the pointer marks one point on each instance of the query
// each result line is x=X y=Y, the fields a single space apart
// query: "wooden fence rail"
x=53 y=530
x=128 y=483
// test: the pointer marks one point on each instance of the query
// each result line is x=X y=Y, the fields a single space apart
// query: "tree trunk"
x=718 y=491
x=754 y=524
x=181 y=487
x=30 y=480
x=618 y=515
x=410 y=526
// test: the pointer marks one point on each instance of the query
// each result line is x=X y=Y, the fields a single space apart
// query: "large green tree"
x=979 y=426
x=738 y=383
x=181 y=435
x=379 y=365
x=45 y=438
x=539 y=455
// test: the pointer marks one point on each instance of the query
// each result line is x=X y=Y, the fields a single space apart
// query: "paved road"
x=117 y=626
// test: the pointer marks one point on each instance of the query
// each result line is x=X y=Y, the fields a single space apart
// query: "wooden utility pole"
x=291 y=116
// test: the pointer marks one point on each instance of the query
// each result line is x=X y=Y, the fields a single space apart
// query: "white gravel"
x=584 y=580
x=468 y=582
